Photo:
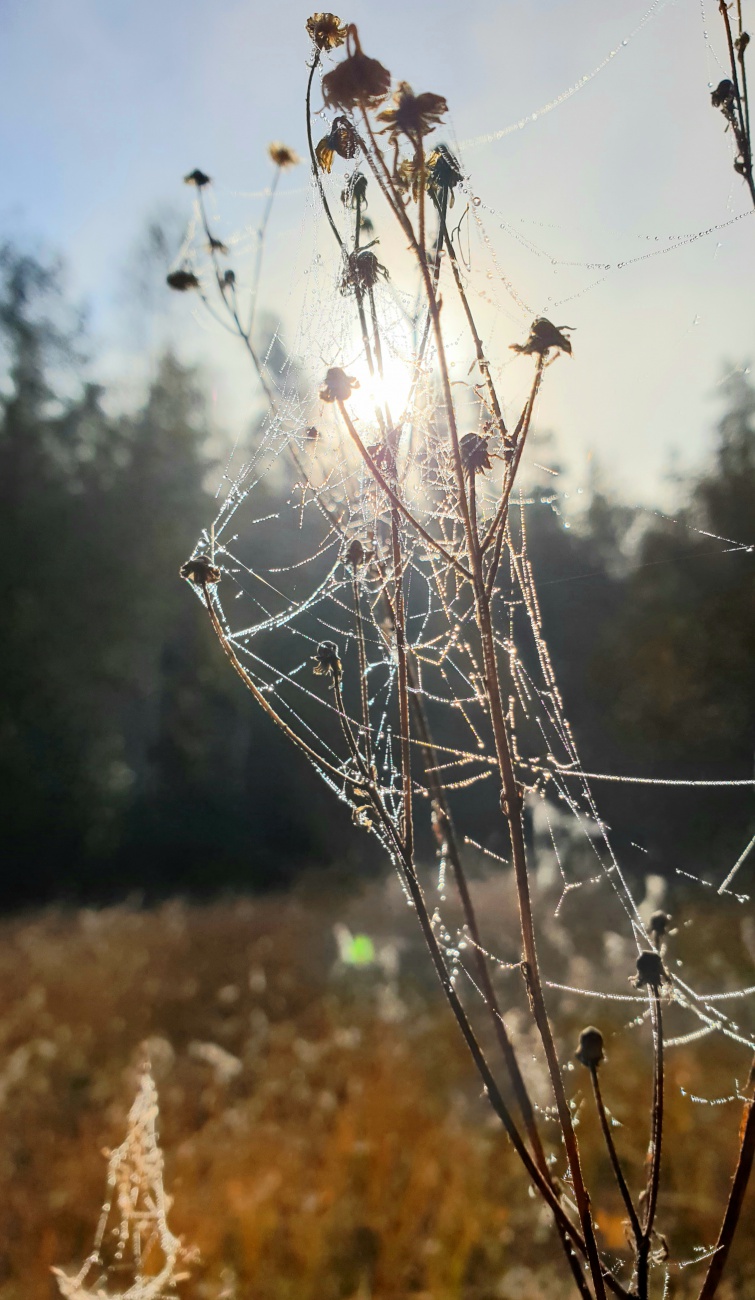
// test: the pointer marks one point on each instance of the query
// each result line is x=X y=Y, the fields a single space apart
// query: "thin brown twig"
x=655 y=1149
x=735 y=1203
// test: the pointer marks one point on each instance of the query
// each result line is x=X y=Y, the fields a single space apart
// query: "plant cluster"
x=432 y=592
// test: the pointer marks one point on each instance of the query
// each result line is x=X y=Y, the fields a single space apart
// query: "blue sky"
x=104 y=105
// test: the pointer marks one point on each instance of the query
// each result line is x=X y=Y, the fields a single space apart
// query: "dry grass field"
x=323 y=1131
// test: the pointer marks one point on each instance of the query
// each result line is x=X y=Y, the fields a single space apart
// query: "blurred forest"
x=131 y=758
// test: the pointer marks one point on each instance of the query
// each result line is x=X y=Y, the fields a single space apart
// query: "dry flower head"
x=283 y=156
x=327 y=31
x=412 y=115
x=358 y=81
x=338 y=386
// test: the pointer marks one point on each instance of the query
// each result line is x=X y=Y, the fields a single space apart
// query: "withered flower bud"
x=658 y=923
x=341 y=140
x=338 y=386
x=217 y=245
x=198 y=178
x=200 y=570
x=326 y=660
x=229 y=278
x=182 y=280
x=355 y=191
x=282 y=156
x=443 y=170
x=543 y=336
x=327 y=31
x=724 y=95
x=475 y=457
x=413 y=115
x=357 y=81
x=355 y=554
x=362 y=271
x=590 y=1048
x=651 y=972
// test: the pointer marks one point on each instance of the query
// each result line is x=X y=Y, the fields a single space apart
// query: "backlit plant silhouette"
x=402 y=651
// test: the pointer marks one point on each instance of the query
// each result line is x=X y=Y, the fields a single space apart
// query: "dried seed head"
x=659 y=922
x=355 y=554
x=217 y=245
x=651 y=972
x=362 y=271
x=326 y=660
x=412 y=115
x=182 y=280
x=327 y=31
x=543 y=336
x=200 y=570
x=198 y=178
x=590 y=1048
x=338 y=386
x=475 y=457
x=229 y=278
x=357 y=81
x=724 y=95
x=282 y=156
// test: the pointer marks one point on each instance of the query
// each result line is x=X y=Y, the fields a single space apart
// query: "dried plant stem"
x=261 y=233
x=655 y=1149
x=364 y=696
x=312 y=155
x=482 y=361
x=512 y=798
x=447 y=830
x=736 y=1196
x=618 y=1172
x=228 y=296
x=264 y=704
x=403 y=690
x=392 y=495
x=740 y=126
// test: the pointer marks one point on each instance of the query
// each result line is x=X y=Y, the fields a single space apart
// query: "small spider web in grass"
x=135 y=1254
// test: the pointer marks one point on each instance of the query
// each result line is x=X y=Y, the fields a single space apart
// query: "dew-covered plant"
x=394 y=633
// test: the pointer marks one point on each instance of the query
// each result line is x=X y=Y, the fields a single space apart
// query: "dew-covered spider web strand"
x=478 y=140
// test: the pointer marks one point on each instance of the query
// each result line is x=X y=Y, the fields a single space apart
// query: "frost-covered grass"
x=323 y=1130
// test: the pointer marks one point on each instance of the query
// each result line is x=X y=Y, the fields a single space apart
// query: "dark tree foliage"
x=129 y=755
x=676 y=665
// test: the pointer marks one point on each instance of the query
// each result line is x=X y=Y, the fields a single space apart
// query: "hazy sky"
x=105 y=104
